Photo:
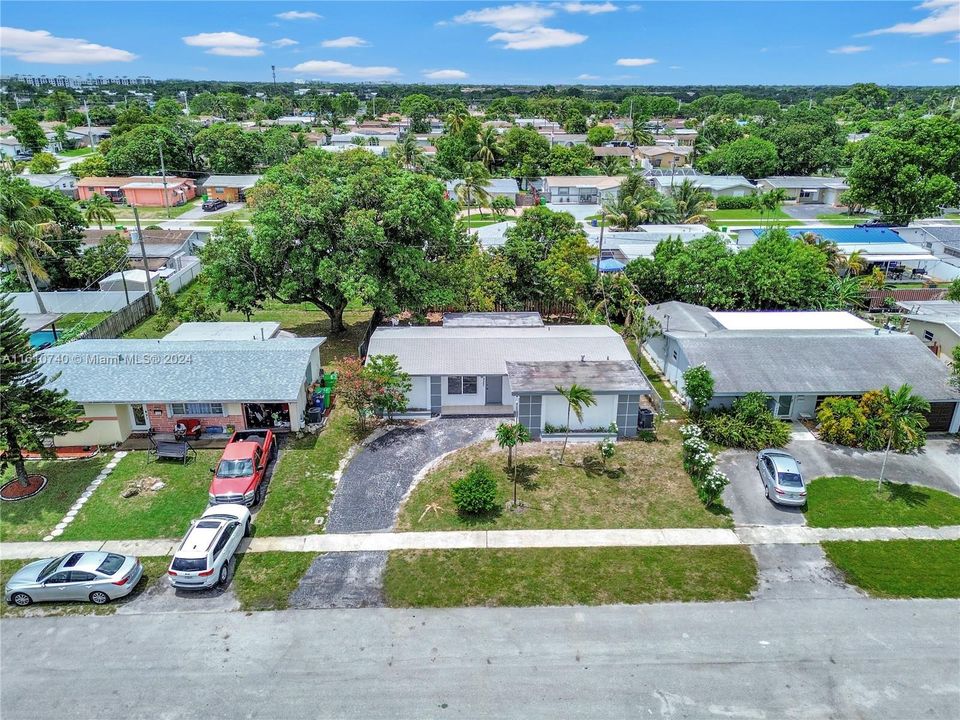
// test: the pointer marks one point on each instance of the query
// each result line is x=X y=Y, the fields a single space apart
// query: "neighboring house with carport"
x=936 y=323
x=800 y=189
x=503 y=364
x=798 y=358
x=139 y=190
x=64 y=183
x=229 y=188
x=138 y=386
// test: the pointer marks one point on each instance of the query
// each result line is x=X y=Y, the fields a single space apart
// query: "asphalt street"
x=828 y=658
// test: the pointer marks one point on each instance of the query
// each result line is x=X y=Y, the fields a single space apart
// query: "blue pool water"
x=41 y=338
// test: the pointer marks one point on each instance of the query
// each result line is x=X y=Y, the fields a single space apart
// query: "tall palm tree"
x=854 y=263
x=457 y=118
x=488 y=148
x=24 y=225
x=639 y=135
x=99 y=209
x=408 y=153
x=473 y=189
x=902 y=419
x=578 y=398
x=846 y=292
x=657 y=210
x=691 y=202
x=612 y=165
x=621 y=213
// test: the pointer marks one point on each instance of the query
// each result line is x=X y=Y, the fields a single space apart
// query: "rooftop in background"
x=223 y=331
x=931 y=307
x=492 y=319
x=805 y=182
x=601 y=182
x=603 y=376
x=38 y=321
x=243 y=182
x=790 y=320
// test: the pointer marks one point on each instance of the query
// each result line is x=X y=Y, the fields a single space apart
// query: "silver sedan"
x=782 y=481
x=98 y=577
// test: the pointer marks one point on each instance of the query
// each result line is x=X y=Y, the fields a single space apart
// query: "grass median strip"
x=850 y=502
x=264 y=581
x=900 y=568
x=568 y=576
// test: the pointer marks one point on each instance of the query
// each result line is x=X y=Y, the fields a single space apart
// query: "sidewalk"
x=384 y=541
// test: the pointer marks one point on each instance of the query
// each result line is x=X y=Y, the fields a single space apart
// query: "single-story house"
x=135 y=280
x=224 y=331
x=509 y=364
x=65 y=183
x=563 y=139
x=109 y=186
x=641 y=242
x=128 y=386
x=798 y=358
x=716 y=185
x=604 y=151
x=936 y=323
x=538 y=124
x=139 y=190
x=665 y=156
x=881 y=246
x=82 y=135
x=11 y=147
x=581 y=189
x=825 y=190
x=495 y=187
x=230 y=188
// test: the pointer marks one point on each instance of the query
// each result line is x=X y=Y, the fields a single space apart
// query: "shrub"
x=476 y=492
x=700 y=464
x=748 y=424
x=698 y=386
x=734 y=202
x=844 y=420
x=840 y=421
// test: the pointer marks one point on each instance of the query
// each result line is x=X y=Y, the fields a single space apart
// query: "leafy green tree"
x=60 y=102
x=228 y=149
x=355 y=388
x=691 y=203
x=564 y=160
x=98 y=261
x=27 y=130
x=346 y=104
x=99 y=208
x=392 y=385
x=600 y=134
x=575 y=122
x=953 y=292
x=807 y=140
x=132 y=115
x=278 y=145
x=137 y=152
x=511 y=435
x=230 y=269
x=43 y=162
x=750 y=156
x=525 y=152
x=569 y=269
x=32 y=411
x=418 y=107
x=902 y=420
x=779 y=271
x=167 y=109
x=698 y=387
x=578 y=398
x=501 y=204
x=60 y=134
x=407 y=153
x=718 y=131
x=94 y=165
x=611 y=165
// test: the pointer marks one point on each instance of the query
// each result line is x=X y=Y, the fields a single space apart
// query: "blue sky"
x=593 y=42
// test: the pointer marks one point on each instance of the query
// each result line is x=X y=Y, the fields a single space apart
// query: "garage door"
x=940 y=416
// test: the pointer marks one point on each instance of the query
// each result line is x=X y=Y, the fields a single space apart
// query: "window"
x=927 y=336
x=59 y=578
x=196 y=408
x=111 y=564
x=222 y=542
x=462 y=385
x=77 y=576
x=218 y=189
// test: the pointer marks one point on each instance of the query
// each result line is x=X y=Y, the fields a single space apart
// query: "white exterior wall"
x=554 y=412
x=109 y=424
x=419 y=396
x=480 y=398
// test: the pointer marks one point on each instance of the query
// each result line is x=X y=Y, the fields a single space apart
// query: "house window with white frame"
x=462 y=385
x=196 y=408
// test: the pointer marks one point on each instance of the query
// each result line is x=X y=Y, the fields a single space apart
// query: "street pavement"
x=823 y=658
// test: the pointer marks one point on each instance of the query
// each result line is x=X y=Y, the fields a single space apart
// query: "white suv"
x=203 y=558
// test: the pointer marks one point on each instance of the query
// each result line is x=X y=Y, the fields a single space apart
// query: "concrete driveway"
x=198 y=213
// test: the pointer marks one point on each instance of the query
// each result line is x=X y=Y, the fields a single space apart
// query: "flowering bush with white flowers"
x=700 y=464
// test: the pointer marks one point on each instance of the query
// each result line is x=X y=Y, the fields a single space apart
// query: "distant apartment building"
x=65 y=81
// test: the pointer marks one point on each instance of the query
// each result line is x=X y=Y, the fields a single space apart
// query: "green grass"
x=850 y=502
x=900 y=568
x=162 y=514
x=643 y=485
x=750 y=214
x=77 y=152
x=264 y=581
x=154 y=570
x=299 y=490
x=73 y=324
x=125 y=212
x=568 y=576
x=35 y=517
x=476 y=221
x=672 y=409
x=842 y=219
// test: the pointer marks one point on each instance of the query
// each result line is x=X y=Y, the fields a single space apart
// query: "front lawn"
x=77 y=152
x=125 y=212
x=900 y=568
x=165 y=513
x=851 y=502
x=842 y=219
x=264 y=581
x=35 y=517
x=750 y=214
x=568 y=576
x=644 y=485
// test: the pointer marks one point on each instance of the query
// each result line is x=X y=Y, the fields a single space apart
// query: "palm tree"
x=902 y=419
x=473 y=189
x=835 y=259
x=854 y=263
x=457 y=118
x=639 y=135
x=510 y=435
x=488 y=148
x=577 y=397
x=99 y=208
x=657 y=210
x=691 y=202
x=612 y=165
x=25 y=223
x=408 y=153
x=621 y=213
x=846 y=291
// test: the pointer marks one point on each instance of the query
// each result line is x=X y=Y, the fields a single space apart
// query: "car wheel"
x=21 y=599
x=246 y=529
x=766 y=491
x=98 y=597
x=224 y=573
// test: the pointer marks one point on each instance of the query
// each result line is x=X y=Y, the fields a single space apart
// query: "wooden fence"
x=878 y=298
x=119 y=322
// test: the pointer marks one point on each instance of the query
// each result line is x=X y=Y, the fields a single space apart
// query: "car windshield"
x=111 y=564
x=234 y=468
x=790 y=480
x=51 y=566
x=189 y=564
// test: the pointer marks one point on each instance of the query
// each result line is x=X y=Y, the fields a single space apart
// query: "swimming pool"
x=42 y=338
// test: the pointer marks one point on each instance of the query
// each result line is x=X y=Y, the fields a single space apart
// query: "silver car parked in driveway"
x=203 y=558
x=782 y=480
x=95 y=576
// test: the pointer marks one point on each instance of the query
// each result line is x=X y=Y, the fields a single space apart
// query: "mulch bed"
x=13 y=490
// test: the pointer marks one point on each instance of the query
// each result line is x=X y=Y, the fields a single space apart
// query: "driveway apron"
x=368 y=498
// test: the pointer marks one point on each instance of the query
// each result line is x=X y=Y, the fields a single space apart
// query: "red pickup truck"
x=239 y=476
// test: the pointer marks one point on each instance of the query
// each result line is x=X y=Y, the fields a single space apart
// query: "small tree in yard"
x=356 y=388
x=902 y=420
x=577 y=397
x=510 y=435
x=390 y=384
x=32 y=412
x=476 y=492
x=698 y=386
x=502 y=203
x=955 y=369
x=607 y=449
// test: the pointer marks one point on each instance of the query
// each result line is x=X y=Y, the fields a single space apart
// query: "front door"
x=139 y=420
x=494 y=394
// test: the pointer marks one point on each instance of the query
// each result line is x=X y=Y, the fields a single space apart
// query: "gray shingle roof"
x=486 y=350
x=600 y=376
x=818 y=363
x=238 y=181
x=493 y=319
x=677 y=318
x=122 y=371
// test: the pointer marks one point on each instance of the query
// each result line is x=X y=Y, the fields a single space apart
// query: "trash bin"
x=314 y=415
x=645 y=419
x=593 y=223
x=327 y=392
x=317 y=399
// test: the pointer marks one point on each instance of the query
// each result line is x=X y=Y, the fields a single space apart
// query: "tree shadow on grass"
x=594 y=467
x=474 y=519
x=526 y=474
x=910 y=495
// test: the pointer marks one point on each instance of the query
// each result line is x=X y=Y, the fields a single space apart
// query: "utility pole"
x=273 y=69
x=16 y=101
x=143 y=254
x=603 y=222
x=163 y=172
x=86 y=112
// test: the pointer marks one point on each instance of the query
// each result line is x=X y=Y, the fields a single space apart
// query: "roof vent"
x=876 y=331
x=583 y=358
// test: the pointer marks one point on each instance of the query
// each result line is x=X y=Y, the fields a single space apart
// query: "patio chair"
x=192 y=428
x=172 y=449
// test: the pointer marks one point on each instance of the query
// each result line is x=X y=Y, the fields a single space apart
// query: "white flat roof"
x=226 y=331
x=790 y=320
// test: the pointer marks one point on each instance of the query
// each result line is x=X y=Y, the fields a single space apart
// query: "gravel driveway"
x=367 y=500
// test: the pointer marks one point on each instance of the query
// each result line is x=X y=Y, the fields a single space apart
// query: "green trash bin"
x=327 y=392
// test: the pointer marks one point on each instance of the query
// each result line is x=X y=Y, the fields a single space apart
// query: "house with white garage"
x=798 y=358
x=509 y=364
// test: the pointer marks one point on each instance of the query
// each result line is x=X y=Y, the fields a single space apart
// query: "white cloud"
x=445 y=74
x=39 y=46
x=228 y=44
x=347 y=41
x=590 y=8
x=849 y=49
x=635 y=62
x=284 y=42
x=332 y=68
x=298 y=15
x=676 y=67
x=537 y=38
x=943 y=17
x=587 y=76
x=941 y=61
x=507 y=17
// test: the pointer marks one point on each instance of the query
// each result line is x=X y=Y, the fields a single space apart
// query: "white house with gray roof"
x=798 y=358
x=510 y=364
x=806 y=189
